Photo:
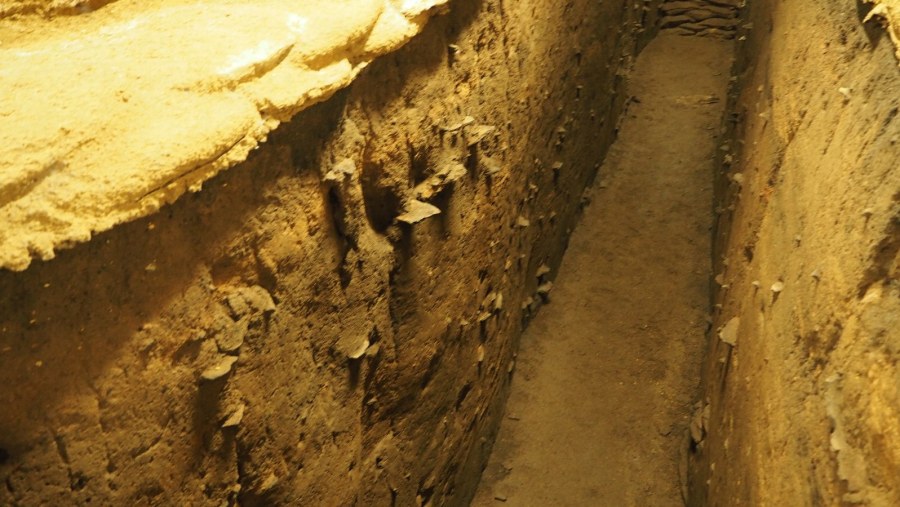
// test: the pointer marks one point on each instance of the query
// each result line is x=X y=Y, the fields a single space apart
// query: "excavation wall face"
x=802 y=382
x=299 y=333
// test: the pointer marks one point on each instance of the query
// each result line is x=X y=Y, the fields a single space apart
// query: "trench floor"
x=608 y=371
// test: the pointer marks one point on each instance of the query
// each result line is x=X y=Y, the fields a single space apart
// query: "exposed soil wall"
x=802 y=396
x=281 y=337
x=153 y=105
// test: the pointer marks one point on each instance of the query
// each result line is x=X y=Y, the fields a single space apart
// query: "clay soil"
x=607 y=373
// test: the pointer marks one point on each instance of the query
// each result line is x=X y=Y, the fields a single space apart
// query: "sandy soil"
x=607 y=372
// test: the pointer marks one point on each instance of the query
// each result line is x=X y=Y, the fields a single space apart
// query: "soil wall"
x=802 y=384
x=294 y=334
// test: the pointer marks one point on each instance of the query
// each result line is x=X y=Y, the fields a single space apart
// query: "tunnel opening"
x=450 y=252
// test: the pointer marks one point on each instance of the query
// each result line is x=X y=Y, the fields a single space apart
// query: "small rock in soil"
x=416 y=211
x=222 y=368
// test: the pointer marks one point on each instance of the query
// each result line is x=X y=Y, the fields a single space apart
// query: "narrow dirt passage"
x=600 y=406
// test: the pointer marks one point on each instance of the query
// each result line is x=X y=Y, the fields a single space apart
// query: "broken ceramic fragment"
x=477 y=133
x=491 y=166
x=360 y=350
x=222 y=368
x=527 y=302
x=235 y=417
x=232 y=337
x=416 y=211
x=341 y=171
x=468 y=120
x=729 y=332
x=247 y=300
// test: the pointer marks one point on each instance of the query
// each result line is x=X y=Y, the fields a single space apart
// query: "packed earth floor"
x=607 y=373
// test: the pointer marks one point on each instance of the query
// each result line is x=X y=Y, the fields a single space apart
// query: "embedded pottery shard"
x=234 y=418
x=527 y=302
x=360 y=350
x=729 y=332
x=259 y=299
x=451 y=172
x=491 y=166
x=355 y=340
x=222 y=368
x=416 y=211
x=341 y=171
x=249 y=300
x=468 y=120
x=232 y=337
x=477 y=133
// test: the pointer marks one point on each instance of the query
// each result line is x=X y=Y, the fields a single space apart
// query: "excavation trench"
x=600 y=407
x=311 y=253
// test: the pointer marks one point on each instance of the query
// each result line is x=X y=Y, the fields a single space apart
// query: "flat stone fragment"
x=232 y=337
x=360 y=350
x=235 y=417
x=477 y=133
x=222 y=368
x=729 y=332
x=416 y=211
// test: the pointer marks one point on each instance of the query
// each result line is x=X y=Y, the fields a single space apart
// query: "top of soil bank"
x=889 y=11
x=106 y=116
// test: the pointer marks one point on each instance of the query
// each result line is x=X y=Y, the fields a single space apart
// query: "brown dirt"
x=292 y=264
x=606 y=373
x=804 y=407
x=282 y=338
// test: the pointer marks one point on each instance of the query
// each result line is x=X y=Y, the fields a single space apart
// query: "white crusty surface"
x=107 y=116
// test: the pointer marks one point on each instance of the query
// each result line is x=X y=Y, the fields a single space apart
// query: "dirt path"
x=607 y=371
